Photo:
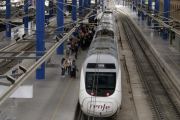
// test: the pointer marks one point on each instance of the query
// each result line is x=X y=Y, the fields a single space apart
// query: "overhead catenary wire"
x=96 y=78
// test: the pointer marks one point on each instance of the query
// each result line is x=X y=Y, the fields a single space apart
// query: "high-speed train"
x=100 y=92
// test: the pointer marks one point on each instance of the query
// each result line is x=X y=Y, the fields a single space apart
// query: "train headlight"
x=107 y=94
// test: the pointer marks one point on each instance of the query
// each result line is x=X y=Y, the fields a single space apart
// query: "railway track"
x=163 y=105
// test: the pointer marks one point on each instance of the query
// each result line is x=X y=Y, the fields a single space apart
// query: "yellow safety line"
x=61 y=100
x=62 y=97
x=167 y=54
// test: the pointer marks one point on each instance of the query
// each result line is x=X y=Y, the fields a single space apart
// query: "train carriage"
x=100 y=92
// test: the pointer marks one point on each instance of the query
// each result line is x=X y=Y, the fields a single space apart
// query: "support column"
x=65 y=5
x=8 y=15
x=40 y=35
x=143 y=6
x=156 y=12
x=50 y=6
x=74 y=10
x=85 y=4
x=149 y=8
x=80 y=7
x=102 y=5
x=89 y=3
x=96 y=5
x=166 y=15
x=60 y=23
x=139 y=14
x=26 y=12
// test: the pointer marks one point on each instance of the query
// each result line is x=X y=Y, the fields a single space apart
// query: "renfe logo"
x=103 y=107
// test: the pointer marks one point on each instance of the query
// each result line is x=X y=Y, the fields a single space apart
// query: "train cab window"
x=103 y=82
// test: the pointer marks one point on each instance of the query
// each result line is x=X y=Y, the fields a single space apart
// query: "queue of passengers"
x=81 y=41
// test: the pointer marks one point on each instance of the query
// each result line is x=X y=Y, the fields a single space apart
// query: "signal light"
x=107 y=94
x=92 y=93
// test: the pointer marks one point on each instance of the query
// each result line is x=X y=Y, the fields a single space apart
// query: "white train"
x=100 y=93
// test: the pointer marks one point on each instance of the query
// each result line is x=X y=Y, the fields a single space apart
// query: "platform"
x=166 y=53
x=54 y=98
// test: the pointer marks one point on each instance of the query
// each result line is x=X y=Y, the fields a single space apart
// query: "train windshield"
x=102 y=80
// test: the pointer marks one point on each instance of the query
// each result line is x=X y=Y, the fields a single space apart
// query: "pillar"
x=65 y=5
x=149 y=8
x=96 y=5
x=26 y=12
x=89 y=3
x=156 y=12
x=8 y=15
x=60 y=23
x=166 y=15
x=74 y=10
x=143 y=6
x=80 y=7
x=118 y=2
x=102 y=5
x=50 y=6
x=85 y=4
x=40 y=35
x=139 y=1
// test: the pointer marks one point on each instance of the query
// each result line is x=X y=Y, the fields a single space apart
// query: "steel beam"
x=31 y=52
x=13 y=75
x=25 y=41
x=20 y=57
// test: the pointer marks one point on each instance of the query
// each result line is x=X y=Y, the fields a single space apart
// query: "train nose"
x=100 y=109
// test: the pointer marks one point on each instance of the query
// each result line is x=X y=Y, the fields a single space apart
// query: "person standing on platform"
x=63 y=65
x=76 y=49
x=73 y=74
x=68 y=65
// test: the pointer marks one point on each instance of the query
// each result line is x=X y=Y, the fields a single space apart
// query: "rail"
x=140 y=54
